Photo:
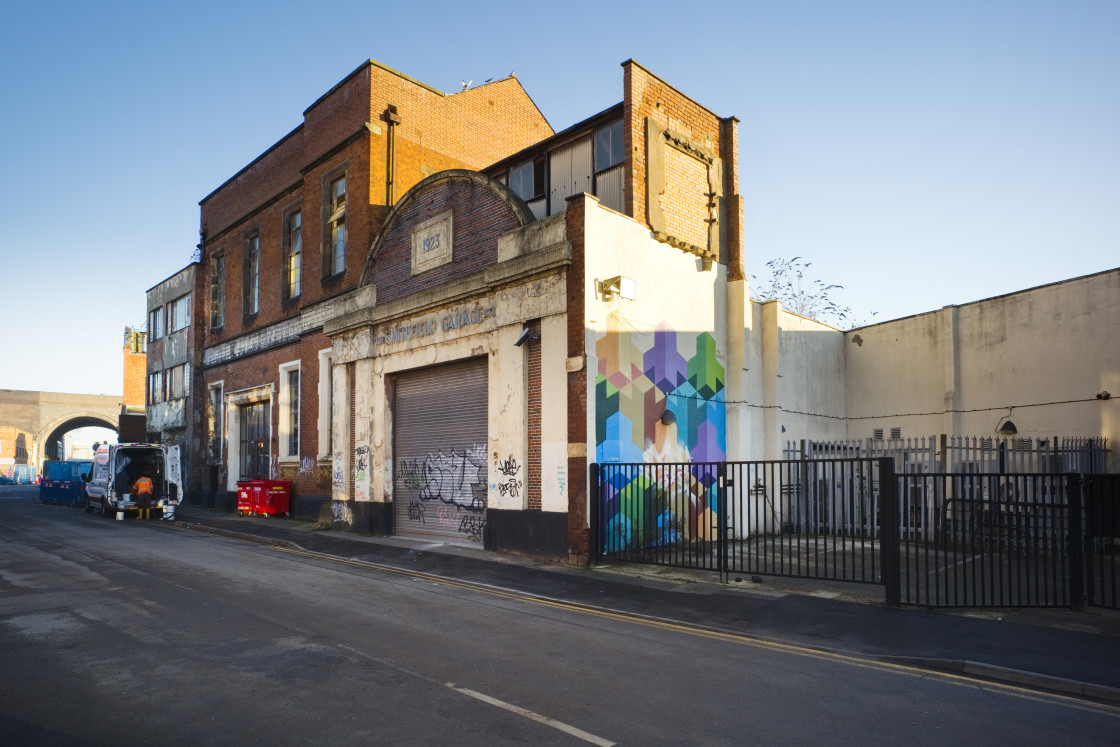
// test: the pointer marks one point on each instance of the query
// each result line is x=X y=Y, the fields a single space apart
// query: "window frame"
x=182 y=372
x=251 y=274
x=291 y=278
x=334 y=235
x=218 y=290
x=255 y=452
x=216 y=423
x=537 y=175
x=155 y=387
x=288 y=410
x=616 y=140
x=155 y=323
x=325 y=392
x=181 y=306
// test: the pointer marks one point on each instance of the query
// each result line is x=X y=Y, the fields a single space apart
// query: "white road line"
x=578 y=733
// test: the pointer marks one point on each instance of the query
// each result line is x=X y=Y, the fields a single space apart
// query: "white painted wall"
x=1039 y=357
x=671 y=286
x=802 y=380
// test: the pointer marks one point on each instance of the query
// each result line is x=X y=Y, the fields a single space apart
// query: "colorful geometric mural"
x=654 y=405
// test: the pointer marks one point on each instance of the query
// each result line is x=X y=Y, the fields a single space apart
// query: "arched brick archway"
x=54 y=430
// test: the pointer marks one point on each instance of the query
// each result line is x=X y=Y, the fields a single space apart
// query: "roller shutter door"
x=439 y=452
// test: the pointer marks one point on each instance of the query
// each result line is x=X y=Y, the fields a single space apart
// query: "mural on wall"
x=447 y=488
x=654 y=405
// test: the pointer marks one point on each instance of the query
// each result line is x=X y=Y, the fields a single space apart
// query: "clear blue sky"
x=919 y=154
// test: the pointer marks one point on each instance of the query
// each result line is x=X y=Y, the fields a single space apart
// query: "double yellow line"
x=719 y=635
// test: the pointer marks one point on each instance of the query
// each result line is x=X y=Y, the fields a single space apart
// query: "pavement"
x=1056 y=650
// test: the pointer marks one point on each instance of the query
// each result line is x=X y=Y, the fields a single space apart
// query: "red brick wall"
x=16 y=444
x=479 y=216
x=437 y=131
x=646 y=95
x=578 y=536
x=685 y=201
x=261 y=370
x=135 y=376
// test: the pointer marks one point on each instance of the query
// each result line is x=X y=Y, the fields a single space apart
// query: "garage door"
x=439 y=452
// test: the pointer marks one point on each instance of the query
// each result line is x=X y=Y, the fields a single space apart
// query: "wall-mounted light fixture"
x=619 y=285
x=1008 y=428
x=527 y=335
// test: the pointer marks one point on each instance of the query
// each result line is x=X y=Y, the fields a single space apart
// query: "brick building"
x=174 y=351
x=402 y=295
x=285 y=239
x=131 y=422
x=432 y=313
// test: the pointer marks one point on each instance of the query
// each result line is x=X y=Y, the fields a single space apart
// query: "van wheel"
x=89 y=507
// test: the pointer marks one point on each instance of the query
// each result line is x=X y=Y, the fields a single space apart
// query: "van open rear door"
x=174 y=476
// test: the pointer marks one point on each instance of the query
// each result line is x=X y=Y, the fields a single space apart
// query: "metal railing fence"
x=934 y=539
x=986 y=454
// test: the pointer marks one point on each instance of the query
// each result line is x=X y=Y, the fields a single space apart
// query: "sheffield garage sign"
x=467 y=317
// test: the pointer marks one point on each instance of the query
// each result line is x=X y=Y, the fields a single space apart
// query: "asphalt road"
x=126 y=632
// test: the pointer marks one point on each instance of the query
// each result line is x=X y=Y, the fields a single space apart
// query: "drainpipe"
x=392 y=119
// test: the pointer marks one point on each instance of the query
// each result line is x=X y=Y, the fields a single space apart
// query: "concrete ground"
x=1057 y=650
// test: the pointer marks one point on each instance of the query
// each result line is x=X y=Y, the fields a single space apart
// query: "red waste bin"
x=244 y=497
x=272 y=498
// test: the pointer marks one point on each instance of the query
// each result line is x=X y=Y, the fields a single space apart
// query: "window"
x=178 y=381
x=325 y=393
x=527 y=180
x=252 y=275
x=254 y=441
x=179 y=314
x=334 y=254
x=214 y=422
x=217 y=292
x=155 y=387
x=289 y=410
x=608 y=146
x=155 y=324
x=293 y=254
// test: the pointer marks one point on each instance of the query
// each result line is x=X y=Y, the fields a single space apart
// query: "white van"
x=117 y=466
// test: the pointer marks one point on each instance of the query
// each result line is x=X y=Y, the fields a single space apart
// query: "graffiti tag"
x=509 y=468
x=473 y=526
x=450 y=478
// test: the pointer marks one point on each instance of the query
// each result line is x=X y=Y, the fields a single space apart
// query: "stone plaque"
x=431 y=243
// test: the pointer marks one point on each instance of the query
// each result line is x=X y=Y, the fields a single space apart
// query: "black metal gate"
x=931 y=539
x=808 y=518
x=1102 y=540
x=991 y=540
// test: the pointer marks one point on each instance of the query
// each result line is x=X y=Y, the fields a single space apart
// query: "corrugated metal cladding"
x=608 y=187
x=439 y=448
x=569 y=171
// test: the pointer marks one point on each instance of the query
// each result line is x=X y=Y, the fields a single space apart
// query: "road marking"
x=1038 y=696
x=566 y=728
x=578 y=733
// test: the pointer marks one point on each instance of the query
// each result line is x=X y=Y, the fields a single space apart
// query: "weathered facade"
x=284 y=242
x=174 y=351
x=439 y=344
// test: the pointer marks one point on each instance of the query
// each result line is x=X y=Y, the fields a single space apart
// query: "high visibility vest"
x=142 y=485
